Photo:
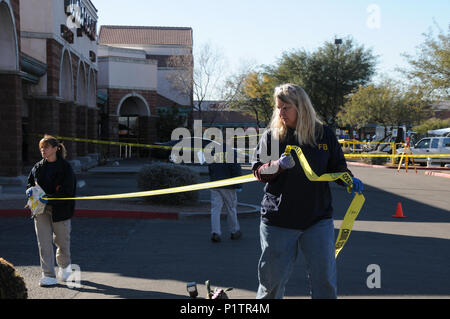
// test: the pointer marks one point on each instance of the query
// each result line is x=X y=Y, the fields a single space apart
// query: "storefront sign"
x=66 y=34
x=92 y=56
x=80 y=18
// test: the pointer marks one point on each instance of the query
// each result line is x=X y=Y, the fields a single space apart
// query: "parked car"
x=174 y=151
x=429 y=146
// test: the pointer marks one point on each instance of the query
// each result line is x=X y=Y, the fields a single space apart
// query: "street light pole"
x=337 y=43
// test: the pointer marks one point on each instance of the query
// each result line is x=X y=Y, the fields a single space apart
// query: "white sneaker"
x=47 y=281
x=64 y=273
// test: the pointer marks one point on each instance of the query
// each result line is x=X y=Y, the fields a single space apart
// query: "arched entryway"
x=133 y=103
x=92 y=89
x=66 y=77
x=131 y=107
x=93 y=120
x=133 y=112
x=82 y=88
x=9 y=60
x=81 y=109
x=67 y=107
x=11 y=93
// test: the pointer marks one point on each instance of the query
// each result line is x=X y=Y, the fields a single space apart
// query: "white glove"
x=286 y=161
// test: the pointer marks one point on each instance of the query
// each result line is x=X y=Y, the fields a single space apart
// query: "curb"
x=95 y=213
x=421 y=168
x=252 y=210
x=445 y=175
x=124 y=214
x=365 y=165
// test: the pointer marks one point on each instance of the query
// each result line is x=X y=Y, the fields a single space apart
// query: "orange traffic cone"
x=399 y=211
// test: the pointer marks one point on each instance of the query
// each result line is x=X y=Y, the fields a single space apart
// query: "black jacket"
x=290 y=199
x=58 y=180
x=220 y=169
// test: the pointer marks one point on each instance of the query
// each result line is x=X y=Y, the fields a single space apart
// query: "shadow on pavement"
x=126 y=293
x=181 y=251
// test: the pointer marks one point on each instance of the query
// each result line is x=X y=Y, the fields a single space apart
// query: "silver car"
x=430 y=146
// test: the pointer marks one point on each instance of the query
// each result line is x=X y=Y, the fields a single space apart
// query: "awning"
x=101 y=98
x=31 y=69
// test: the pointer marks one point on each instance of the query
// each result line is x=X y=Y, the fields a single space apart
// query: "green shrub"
x=346 y=150
x=12 y=285
x=161 y=175
x=377 y=160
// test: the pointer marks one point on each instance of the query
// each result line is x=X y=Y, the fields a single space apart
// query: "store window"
x=425 y=143
x=435 y=143
x=446 y=142
x=128 y=126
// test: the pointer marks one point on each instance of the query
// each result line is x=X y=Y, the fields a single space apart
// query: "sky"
x=258 y=32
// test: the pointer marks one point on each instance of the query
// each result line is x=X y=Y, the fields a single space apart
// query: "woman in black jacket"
x=297 y=214
x=57 y=179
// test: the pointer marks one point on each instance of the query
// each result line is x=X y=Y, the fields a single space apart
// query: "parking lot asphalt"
x=155 y=258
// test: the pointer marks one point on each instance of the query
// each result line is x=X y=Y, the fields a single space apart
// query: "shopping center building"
x=48 y=76
x=57 y=76
x=135 y=76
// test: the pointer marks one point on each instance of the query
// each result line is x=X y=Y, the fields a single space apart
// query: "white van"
x=429 y=146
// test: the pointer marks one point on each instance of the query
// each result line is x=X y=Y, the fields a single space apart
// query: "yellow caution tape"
x=75 y=139
x=397 y=155
x=226 y=182
x=358 y=142
x=355 y=206
x=85 y=140
x=347 y=223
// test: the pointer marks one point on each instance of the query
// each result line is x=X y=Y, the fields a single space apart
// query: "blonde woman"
x=297 y=214
x=57 y=179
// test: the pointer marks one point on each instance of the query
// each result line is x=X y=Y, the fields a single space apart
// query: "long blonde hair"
x=308 y=126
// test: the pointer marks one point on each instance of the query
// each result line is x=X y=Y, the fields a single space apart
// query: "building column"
x=144 y=135
x=68 y=128
x=82 y=129
x=113 y=128
x=43 y=118
x=147 y=133
x=92 y=129
x=110 y=132
x=11 y=126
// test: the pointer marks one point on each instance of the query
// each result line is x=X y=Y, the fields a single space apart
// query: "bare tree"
x=198 y=77
x=181 y=77
x=250 y=92
x=430 y=69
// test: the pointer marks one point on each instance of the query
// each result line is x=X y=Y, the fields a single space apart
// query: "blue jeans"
x=280 y=247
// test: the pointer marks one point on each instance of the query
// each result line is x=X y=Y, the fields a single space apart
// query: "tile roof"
x=110 y=34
